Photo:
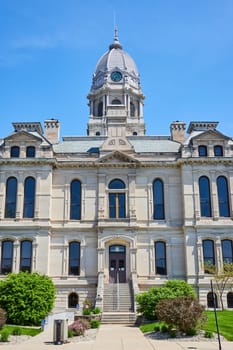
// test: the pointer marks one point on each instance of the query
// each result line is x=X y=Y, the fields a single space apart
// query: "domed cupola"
x=115 y=95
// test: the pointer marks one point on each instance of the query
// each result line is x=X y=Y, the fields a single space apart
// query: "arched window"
x=227 y=251
x=15 y=151
x=202 y=151
x=223 y=196
x=74 y=258
x=7 y=257
x=135 y=133
x=116 y=101
x=211 y=299
x=132 y=109
x=26 y=256
x=158 y=199
x=230 y=300
x=204 y=190
x=97 y=133
x=117 y=199
x=11 y=196
x=208 y=256
x=73 y=300
x=75 y=200
x=218 y=151
x=29 y=197
x=30 y=152
x=100 y=109
x=160 y=258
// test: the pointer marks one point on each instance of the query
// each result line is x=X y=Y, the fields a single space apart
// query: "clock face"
x=116 y=76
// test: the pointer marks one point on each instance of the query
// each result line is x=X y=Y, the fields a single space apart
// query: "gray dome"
x=116 y=57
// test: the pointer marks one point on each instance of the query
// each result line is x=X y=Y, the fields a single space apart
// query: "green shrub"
x=26 y=297
x=4 y=336
x=70 y=333
x=157 y=328
x=164 y=328
x=17 y=331
x=172 y=333
x=2 y=318
x=184 y=313
x=95 y=323
x=148 y=300
x=96 y=310
x=208 y=334
x=87 y=305
x=86 y=312
x=191 y=332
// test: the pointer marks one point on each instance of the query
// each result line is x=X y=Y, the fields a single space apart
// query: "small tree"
x=183 y=313
x=27 y=298
x=148 y=300
x=222 y=279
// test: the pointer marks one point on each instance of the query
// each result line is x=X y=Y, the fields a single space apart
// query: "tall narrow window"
x=11 y=195
x=73 y=300
x=117 y=199
x=74 y=258
x=132 y=109
x=208 y=256
x=202 y=151
x=223 y=196
x=30 y=152
x=227 y=251
x=218 y=151
x=100 y=109
x=211 y=300
x=230 y=300
x=29 y=197
x=160 y=258
x=75 y=200
x=158 y=199
x=15 y=152
x=26 y=256
x=205 y=203
x=7 y=257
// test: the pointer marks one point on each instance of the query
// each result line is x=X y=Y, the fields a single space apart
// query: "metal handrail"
x=118 y=291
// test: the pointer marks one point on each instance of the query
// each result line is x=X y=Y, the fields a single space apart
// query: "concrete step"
x=118 y=318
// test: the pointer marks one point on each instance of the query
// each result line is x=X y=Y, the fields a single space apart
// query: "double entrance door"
x=117 y=270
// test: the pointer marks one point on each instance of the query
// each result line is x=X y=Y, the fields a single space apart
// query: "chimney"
x=52 y=130
x=177 y=130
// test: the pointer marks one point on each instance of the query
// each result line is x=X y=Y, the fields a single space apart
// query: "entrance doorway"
x=117 y=270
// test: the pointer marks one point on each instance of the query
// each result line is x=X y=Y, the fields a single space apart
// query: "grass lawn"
x=225 y=322
x=25 y=330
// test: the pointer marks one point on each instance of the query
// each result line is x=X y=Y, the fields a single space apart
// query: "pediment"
x=117 y=143
x=211 y=135
x=117 y=157
x=22 y=136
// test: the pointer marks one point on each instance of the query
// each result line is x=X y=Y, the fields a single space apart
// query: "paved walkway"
x=113 y=337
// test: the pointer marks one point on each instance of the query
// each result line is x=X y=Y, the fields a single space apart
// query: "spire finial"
x=116 y=44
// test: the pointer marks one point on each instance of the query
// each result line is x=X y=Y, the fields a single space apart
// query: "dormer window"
x=202 y=151
x=15 y=152
x=218 y=151
x=30 y=152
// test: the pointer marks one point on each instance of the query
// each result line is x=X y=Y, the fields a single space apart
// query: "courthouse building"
x=116 y=207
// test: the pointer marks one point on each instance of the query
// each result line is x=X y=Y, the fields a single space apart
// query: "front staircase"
x=118 y=304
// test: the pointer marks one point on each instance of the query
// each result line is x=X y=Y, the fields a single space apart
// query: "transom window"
x=160 y=258
x=15 y=151
x=116 y=101
x=74 y=258
x=117 y=199
x=202 y=151
x=7 y=257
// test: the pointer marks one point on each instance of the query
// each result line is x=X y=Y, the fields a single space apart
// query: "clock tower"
x=115 y=98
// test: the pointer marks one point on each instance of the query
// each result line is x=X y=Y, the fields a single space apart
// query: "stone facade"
x=116 y=191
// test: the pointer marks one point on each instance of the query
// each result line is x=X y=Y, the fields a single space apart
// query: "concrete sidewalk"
x=114 y=337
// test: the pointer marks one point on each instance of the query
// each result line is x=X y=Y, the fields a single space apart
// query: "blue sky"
x=183 y=50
